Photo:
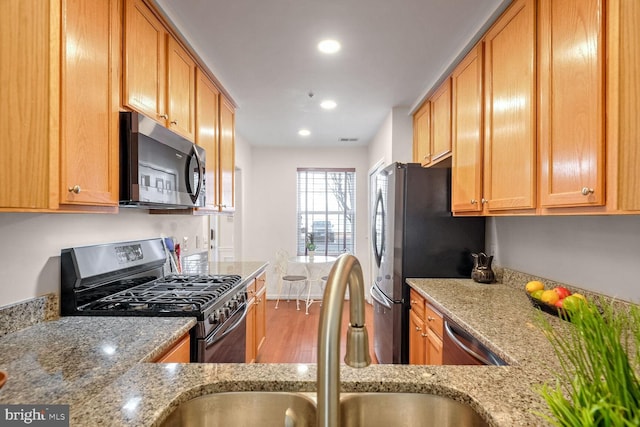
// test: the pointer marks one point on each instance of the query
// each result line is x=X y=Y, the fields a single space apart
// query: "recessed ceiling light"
x=329 y=46
x=328 y=104
x=304 y=132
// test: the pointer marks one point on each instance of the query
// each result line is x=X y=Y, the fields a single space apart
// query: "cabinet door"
x=25 y=135
x=261 y=318
x=467 y=135
x=207 y=99
x=227 y=155
x=251 y=332
x=145 y=68
x=181 y=74
x=441 y=122
x=422 y=135
x=623 y=93
x=572 y=120
x=417 y=340
x=179 y=353
x=434 y=349
x=510 y=110
x=89 y=103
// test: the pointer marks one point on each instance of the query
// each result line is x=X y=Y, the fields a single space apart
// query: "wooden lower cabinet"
x=251 y=349
x=425 y=332
x=179 y=353
x=417 y=345
x=256 y=317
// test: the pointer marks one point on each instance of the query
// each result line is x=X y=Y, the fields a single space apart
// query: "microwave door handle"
x=200 y=175
x=194 y=193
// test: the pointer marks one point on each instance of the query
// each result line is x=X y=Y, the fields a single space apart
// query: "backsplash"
x=27 y=313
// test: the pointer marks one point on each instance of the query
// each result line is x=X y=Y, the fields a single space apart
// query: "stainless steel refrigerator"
x=414 y=235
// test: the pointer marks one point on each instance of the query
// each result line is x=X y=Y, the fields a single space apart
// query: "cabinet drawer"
x=433 y=319
x=417 y=303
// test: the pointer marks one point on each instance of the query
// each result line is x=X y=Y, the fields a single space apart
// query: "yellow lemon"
x=534 y=285
x=549 y=297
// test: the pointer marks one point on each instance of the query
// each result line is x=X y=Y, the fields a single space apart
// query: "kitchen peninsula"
x=133 y=392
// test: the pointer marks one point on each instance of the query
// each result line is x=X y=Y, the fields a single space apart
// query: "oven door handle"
x=215 y=338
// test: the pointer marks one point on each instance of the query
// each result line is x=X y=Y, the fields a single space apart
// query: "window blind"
x=326 y=210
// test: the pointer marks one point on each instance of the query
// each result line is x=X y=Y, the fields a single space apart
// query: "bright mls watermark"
x=34 y=415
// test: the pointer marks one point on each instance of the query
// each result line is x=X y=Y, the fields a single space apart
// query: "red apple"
x=562 y=292
x=559 y=303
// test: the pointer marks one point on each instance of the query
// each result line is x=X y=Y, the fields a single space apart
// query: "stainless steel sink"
x=265 y=409
x=406 y=410
x=248 y=408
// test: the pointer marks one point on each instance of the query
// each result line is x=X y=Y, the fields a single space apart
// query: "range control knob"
x=221 y=315
x=213 y=318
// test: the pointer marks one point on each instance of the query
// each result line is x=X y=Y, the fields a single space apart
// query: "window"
x=326 y=210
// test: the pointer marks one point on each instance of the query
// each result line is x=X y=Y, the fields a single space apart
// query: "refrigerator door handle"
x=379 y=215
x=381 y=298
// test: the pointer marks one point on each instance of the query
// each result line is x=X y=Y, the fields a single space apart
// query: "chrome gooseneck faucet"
x=346 y=270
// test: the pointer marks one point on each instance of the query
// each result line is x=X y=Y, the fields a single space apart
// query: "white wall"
x=401 y=135
x=393 y=142
x=270 y=208
x=380 y=145
x=598 y=253
x=31 y=243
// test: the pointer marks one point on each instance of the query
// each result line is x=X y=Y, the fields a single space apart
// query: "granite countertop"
x=108 y=390
x=70 y=360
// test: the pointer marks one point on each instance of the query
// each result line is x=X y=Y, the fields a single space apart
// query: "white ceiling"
x=264 y=54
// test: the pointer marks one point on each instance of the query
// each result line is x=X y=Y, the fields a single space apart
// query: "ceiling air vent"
x=347 y=139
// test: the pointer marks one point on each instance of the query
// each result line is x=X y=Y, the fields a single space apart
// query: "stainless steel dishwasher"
x=462 y=348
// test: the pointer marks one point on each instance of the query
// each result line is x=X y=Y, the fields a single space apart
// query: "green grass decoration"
x=598 y=385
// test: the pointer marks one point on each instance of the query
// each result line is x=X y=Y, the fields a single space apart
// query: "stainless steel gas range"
x=128 y=279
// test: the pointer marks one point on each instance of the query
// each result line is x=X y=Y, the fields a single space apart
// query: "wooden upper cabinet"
x=422 y=134
x=181 y=75
x=467 y=134
x=572 y=110
x=227 y=155
x=58 y=123
x=159 y=75
x=89 y=167
x=432 y=127
x=207 y=131
x=144 y=68
x=510 y=110
x=623 y=105
x=441 y=122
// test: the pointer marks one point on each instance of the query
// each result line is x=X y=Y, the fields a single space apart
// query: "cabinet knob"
x=474 y=201
x=423 y=335
x=418 y=328
x=75 y=189
x=430 y=319
x=586 y=191
x=163 y=116
x=174 y=122
x=483 y=201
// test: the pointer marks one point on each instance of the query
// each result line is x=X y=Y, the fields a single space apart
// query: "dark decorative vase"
x=482 y=272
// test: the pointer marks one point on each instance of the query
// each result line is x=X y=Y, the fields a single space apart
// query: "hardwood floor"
x=292 y=336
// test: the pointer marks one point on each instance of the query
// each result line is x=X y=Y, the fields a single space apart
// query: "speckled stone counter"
x=105 y=392
x=247 y=269
x=499 y=315
x=70 y=360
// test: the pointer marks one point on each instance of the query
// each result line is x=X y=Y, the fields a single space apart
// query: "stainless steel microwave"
x=159 y=169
